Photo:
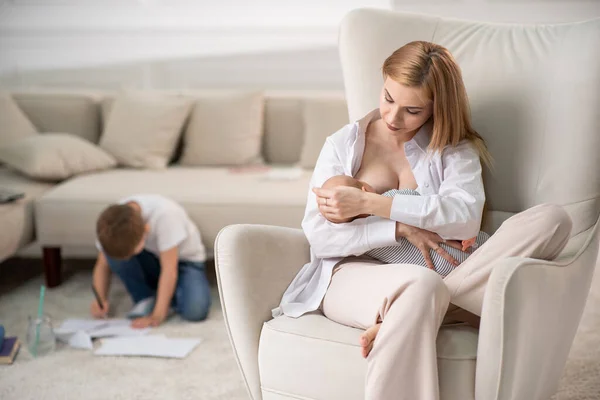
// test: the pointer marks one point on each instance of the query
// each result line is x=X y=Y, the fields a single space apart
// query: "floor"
x=209 y=373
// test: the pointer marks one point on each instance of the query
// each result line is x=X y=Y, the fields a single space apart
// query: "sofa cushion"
x=16 y=218
x=14 y=124
x=76 y=113
x=213 y=197
x=284 y=123
x=224 y=129
x=301 y=357
x=284 y=130
x=55 y=156
x=142 y=129
x=322 y=118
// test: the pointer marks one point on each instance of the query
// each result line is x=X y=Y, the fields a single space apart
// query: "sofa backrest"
x=70 y=112
x=284 y=123
x=534 y=92
x=82 y=113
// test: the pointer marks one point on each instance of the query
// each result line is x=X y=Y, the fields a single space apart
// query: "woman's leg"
x=539 y=232
x=192 y=295
x=410 y=301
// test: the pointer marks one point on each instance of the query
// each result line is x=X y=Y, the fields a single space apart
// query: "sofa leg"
x=52 y=266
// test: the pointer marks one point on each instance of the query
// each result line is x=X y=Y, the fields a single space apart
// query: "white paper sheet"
x=74 y=325
x=78 y=333
x=81 y=340
x=101 y=328
x=117 y=327
x=148 y=346
x=78 y=340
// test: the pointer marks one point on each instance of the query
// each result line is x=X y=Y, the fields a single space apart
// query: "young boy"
x=152 y=245
x=405 y=252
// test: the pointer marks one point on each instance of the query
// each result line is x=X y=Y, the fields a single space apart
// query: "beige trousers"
x=411 y=301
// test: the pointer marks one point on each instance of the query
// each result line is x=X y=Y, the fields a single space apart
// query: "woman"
x=420 y=138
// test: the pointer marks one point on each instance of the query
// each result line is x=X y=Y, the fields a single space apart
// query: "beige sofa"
x=65 y=212
x=534 y=96
x=16 y=219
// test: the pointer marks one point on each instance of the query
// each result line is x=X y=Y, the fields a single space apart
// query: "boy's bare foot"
x=368 y=338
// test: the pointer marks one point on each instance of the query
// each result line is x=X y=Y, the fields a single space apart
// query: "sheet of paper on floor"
x=117 y=327
x=78 y=333
x=148 y=346
x=101 y=327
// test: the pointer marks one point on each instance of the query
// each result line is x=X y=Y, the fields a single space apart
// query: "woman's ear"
x=146 y=228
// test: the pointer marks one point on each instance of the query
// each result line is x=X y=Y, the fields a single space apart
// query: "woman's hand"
x=341 y=202
x=425 y=240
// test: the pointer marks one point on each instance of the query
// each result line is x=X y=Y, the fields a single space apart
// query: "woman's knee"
x=427 y=283
x=431 y=283
x=554 y=219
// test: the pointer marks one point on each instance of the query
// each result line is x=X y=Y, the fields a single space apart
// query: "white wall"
x=228 y=43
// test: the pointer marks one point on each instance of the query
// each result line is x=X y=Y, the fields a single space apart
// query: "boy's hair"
x=120 y=229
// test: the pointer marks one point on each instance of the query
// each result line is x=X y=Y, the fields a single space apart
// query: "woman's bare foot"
x=368 y=338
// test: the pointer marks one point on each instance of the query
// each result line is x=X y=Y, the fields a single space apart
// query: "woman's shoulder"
x=464 y=152
x=345 y=134
x=465 y=147
x=348 y=134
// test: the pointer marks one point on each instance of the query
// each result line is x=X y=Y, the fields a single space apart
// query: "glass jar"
x=40 y=330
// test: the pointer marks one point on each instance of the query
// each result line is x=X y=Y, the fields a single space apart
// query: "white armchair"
x=535 y=95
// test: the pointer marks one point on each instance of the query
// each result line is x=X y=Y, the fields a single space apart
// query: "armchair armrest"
x=531 y=311
x=254 y=265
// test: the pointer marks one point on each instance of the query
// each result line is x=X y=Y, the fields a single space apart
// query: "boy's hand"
x=98 y=312
x=144 y=322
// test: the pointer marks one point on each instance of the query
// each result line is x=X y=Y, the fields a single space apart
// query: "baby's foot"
x=368 y=338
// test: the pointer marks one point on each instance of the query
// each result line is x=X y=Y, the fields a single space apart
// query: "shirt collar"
x=421 y=139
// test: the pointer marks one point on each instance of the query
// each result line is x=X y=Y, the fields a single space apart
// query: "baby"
x=405 y=252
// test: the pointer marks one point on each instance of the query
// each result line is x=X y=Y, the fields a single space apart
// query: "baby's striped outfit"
x=407 y=253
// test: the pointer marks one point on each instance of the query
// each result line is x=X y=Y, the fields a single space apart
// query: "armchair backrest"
x=534 y=92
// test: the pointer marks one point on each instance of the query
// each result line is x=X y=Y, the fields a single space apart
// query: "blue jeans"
x=140 y=275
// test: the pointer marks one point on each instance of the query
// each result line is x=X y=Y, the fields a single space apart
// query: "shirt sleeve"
x=170 y=231
x=455 y=211
x=340 y=240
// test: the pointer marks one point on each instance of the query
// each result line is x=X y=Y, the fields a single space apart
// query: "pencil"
x=97 y=297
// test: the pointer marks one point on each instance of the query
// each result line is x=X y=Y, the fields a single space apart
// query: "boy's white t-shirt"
x=170 y=226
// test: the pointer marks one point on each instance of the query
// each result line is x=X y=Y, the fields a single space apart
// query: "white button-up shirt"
x=451 y=205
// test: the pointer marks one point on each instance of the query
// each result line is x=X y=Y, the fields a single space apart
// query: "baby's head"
x=121 y=231
x=345 y=180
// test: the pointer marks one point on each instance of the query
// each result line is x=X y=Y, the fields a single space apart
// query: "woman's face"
x=403 y=109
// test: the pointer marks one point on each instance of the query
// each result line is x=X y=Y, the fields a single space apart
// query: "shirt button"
x=409 y=147
x=426 y=184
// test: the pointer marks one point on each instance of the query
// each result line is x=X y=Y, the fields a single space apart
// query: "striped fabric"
x=407 y=253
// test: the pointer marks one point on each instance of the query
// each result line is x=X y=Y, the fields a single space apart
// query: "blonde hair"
x=431 y=67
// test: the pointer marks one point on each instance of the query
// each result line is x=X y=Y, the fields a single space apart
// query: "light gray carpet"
x=209 y=373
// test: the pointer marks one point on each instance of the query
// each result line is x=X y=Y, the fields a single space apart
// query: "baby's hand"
x=468 y=243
